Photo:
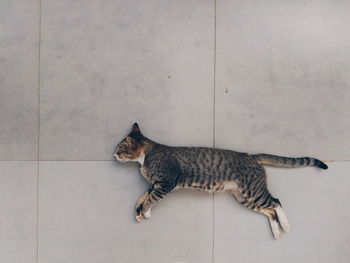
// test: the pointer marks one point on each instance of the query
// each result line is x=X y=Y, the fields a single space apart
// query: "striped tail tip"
x=321 y=165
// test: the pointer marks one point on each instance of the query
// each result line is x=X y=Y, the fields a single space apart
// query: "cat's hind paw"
x=276 y=231
x=282 y=218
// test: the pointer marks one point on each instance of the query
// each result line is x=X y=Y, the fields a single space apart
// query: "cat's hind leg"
x=282 y=218
x=275 y=205
x=275 y=226
x=248 y=202
x=276 y=215
x=267 y=205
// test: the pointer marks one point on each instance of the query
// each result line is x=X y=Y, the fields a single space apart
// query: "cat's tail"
x=279 y=161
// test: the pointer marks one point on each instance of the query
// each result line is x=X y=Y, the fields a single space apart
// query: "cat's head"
x=132 y=147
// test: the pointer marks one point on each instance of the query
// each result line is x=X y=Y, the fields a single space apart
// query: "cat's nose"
x=115 y=155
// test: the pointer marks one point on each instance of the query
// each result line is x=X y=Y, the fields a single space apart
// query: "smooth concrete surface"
x=86 y=214
x=316 y=204
x=18 y=211
x=282 y=77
x=281 y=86
x=105 y=64
x=19 y=77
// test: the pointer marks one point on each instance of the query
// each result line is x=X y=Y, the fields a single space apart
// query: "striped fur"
x=168 y=168
x=279 y=161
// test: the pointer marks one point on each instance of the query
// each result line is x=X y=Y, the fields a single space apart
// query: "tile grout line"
x=214 y=69
x=214 y=122
x=38 y=140
x=109 y=160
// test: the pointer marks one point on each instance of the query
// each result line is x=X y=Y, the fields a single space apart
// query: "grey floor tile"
x=107 y=64
x=18 y=212
x=87 y=215
x=19 y=71
x=316 y=204
x=283 y=82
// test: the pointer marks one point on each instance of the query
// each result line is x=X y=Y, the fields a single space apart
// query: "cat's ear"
x=135 y=127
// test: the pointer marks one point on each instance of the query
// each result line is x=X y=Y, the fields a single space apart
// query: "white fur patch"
x=230 y=185
x=282 y=218
x=148 y=214
x=141 y=159
x=120 y=160
x=275 y=229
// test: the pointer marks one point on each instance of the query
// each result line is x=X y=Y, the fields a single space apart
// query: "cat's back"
x=196 y=153
x=195 y=156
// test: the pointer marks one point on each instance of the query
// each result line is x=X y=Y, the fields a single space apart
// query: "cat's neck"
x=148 y=147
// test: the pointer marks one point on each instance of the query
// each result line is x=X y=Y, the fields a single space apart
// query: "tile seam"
x=38 y=139
x=214 y=130
x=67 y=160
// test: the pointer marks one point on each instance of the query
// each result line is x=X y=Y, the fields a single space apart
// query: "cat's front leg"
x=158 y=192
x=139 y=205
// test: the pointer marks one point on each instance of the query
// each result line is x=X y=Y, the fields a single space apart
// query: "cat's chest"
x=146 y=174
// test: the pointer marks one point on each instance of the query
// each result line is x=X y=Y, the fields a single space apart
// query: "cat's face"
x=130 y=148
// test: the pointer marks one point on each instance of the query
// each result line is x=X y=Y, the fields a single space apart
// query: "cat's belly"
x=218 y=187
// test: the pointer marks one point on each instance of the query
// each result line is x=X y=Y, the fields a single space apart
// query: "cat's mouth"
x=115 y=156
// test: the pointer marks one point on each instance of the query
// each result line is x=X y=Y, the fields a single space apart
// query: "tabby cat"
x=168 y=168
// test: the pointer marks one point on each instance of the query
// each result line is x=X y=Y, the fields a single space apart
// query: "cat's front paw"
x=142 y=213
x=147 y=214
x=140 y=217
x=139 y=213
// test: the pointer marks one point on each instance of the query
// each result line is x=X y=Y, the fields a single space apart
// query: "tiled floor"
x=257 y=77
x=18 y=211
x=86 y=214
x=316 y=204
